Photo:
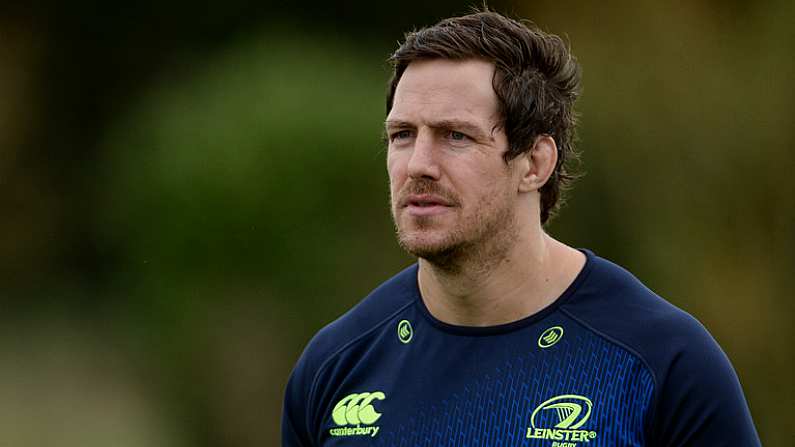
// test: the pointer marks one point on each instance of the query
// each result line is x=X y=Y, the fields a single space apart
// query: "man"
x=500 y=335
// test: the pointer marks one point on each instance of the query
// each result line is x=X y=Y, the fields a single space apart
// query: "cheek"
x=486 y=187
x=396 y=170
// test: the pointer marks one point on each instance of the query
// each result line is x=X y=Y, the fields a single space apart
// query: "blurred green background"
x=188 y=192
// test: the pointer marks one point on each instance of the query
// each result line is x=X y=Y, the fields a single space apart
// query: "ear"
x=540 y=163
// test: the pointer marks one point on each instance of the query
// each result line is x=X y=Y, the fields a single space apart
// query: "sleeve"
x=700 y=400
x=295 y=410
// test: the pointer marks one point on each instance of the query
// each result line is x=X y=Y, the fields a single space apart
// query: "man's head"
x=475 y=109
x=536 y=81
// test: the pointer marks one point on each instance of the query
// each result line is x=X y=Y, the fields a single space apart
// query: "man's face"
x=451 y=190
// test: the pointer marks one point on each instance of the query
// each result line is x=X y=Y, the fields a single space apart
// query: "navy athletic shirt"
x=609 y=363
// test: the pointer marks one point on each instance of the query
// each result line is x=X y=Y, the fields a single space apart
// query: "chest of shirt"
x=551 y=384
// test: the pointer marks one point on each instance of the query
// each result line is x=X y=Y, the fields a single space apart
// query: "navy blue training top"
x=609 y=363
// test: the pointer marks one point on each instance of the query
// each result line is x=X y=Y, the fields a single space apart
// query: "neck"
x=497 y=288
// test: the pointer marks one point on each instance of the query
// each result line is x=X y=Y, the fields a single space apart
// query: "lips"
x=421 y=199
x=425 y=201
x=426 y=205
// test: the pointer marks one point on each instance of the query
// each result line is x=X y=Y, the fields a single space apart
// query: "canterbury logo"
x=357 y=409
x=565 y=414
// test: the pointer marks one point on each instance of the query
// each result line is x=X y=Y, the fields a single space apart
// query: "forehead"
x=441 y=89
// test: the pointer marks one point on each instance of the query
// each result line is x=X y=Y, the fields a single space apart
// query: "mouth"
x=426 y=205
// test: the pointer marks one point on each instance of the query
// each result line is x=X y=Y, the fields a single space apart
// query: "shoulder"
x=614 y=303
x=697 y=393
x=377 y=308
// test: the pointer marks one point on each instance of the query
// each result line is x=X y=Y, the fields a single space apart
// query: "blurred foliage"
x=239 y=184
x=187 y=196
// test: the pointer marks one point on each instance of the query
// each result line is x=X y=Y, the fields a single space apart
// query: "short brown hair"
x=536 y=80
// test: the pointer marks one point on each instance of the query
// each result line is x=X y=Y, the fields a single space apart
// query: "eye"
x=400 y=135
x=457 y=136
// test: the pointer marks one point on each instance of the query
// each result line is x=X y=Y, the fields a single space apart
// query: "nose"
x=423 y=162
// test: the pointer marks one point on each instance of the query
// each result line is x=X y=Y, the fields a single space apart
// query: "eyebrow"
x=466 y=126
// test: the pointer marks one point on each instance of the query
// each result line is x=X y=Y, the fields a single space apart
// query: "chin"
x=427 y=246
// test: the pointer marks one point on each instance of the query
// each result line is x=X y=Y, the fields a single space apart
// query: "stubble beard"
x=475 y=242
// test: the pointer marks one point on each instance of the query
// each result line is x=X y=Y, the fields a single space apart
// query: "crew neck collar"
x=514 y=325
